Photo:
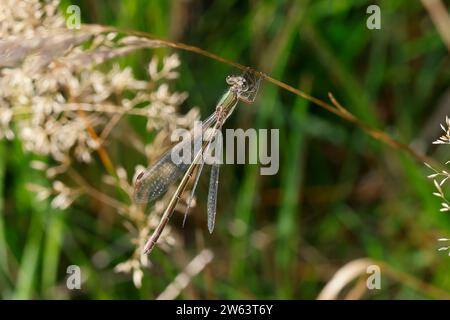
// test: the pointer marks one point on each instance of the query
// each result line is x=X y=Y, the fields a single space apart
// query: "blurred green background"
x=339 y=194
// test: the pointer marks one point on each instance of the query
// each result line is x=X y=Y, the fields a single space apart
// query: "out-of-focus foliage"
x=339 y=195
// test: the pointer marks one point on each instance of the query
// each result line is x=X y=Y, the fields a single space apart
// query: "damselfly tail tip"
x=149 y=246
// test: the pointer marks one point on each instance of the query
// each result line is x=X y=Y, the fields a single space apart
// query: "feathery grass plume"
x=54 y=99
x=441 y=177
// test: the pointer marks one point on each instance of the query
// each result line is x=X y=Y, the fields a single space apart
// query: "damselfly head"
x=237 y=83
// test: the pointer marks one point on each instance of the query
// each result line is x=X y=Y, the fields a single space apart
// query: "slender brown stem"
x=380 y=135
x=109 y=127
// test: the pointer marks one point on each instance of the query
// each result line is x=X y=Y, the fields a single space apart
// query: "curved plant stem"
x=335 y=107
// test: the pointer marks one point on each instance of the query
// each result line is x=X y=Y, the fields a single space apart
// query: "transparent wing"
x=212 y=196
x=155 y=181
x=213 y=187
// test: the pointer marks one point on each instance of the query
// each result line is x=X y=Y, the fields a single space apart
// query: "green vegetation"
x=340 y=195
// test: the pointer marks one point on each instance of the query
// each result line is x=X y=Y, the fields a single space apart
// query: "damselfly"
x=155 y=181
